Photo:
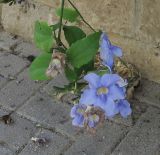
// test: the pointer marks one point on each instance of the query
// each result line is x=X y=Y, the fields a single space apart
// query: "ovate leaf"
x=43 y=36
x=39 y=66
x=68 y=14
x=73 y=34
x=70 y=74
x=84 y=50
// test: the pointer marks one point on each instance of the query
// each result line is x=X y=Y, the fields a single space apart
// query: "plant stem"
x=60 y=22
x=81 y=16
x=75 y=86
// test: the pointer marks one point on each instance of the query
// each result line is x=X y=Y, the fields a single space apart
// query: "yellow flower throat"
x=102 y=90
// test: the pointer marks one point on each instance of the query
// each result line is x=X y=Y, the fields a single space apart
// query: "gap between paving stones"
x=55 y=147
x=43 y=125
x=9 y=80
x=46 y=126
x=27 y=129
x=144 y=138
x=36 y=133
x=131 y=129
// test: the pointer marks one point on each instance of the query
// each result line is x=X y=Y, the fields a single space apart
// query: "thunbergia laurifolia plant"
x=98 y=78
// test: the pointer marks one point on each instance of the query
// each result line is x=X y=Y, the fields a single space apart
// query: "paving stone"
x=43 y=109
x=125 y=121
x=26 y=49
x=18 y=91
x=59 y=81
x=4 y=150
x=102 y=143
x=1 y=54
x=8 y=41
x=149 y=92
x=144 y=138
x=16 y=134
x=54 y=145
x=11 y=65
x=2 y=81
x=3 y=111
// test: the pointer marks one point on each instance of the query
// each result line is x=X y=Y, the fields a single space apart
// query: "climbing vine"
x=98 y=78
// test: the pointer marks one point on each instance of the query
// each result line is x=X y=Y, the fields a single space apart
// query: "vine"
x=98 y=79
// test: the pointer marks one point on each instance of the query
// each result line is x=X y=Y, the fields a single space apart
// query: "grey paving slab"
x=25 y=49
x=43 y=109
x=58 y=81
x=16 y=92
x=3 y=111
x=4 y=150
x=149 y=92
x=2 y=81
x=8 y=41
x=55 y=145
x=102 y=143
x=16 y=134
x=10 y=65
x=144 y=138
x=1 y=54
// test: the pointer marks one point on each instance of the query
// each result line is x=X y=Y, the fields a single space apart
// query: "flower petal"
x=93 y=80
x=88 y=97
x=78 y=121
x=122 y=83
x=125 y=108
x=73 y=111
x=106 y=55
x=91 y=123
x=110 y=108
x=109 y=79
x=100 y=103
x=116 y=93
x=117 y=51
x=105 y=38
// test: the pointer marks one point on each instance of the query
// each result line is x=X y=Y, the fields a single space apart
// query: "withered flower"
x=56 y=65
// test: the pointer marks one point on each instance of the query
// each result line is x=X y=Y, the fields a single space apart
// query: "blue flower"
x=108 y=51
x=77 y=113
x=92 y=120
x=123 y=107
x=81 y=116
x=102 y=92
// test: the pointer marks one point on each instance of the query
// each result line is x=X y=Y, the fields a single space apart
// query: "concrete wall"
x=132 y=24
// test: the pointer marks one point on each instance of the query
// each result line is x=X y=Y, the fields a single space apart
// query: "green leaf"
x=68 y=14
x=102 y=72
x=55 y=27
x=38 y=68
x=73 y=34
x=84 y=50
x=6 y=1
x=70 y=74
x=43 y=36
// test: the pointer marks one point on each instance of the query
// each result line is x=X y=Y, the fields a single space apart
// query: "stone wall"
x=132 y=24
x=0 y=12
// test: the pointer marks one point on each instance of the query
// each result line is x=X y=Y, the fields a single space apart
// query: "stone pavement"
x=35 y=113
